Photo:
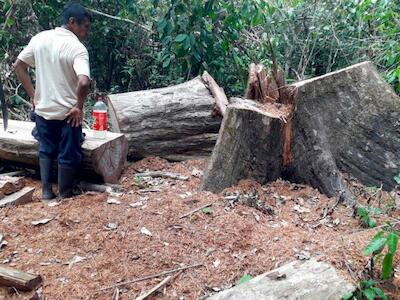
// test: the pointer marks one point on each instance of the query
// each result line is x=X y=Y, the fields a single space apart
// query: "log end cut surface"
x=102 y=157
x=347 y=121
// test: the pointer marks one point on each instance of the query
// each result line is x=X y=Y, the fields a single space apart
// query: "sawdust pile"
x=90 y=244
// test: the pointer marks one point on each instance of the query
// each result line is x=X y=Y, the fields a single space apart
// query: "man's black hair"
x=76 y=11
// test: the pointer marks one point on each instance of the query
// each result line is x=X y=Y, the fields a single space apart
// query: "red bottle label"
x=100 y=120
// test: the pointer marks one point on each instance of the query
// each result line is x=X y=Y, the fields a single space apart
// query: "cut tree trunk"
x=103 y=158
x=175 y=122
x=343 y=122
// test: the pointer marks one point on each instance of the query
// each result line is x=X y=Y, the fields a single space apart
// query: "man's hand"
x=75 y=117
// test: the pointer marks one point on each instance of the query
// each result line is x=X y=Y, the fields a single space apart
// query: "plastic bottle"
x=100 y=125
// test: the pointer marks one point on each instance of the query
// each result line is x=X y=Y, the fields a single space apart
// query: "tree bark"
x=343 y=122
x=175 y=122
x=297 y=280
x=103 y=158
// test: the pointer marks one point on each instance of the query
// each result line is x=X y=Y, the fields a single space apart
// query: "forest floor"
x=95 y=241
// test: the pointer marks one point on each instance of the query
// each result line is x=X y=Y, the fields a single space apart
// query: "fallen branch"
x=119 y=19
x=150 y=277
x=12 y=174
x=116 y=294
x=150 y=190
x=196 y=210
x=221 y=101
x=156 y=288
x=162 y=174
x=87 y=186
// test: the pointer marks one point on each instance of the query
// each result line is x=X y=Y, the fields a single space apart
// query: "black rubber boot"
x=66 y=181
x=45 y=175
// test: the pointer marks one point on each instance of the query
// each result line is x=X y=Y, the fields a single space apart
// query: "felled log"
x=343 y=122
x=23 y=281
x=104 y=158
x=18 y=198
x=175 y=122
x=310 y=280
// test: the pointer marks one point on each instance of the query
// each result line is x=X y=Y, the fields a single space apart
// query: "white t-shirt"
x=59 y=57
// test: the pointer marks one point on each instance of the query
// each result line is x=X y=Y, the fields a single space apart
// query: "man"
x=62 y=85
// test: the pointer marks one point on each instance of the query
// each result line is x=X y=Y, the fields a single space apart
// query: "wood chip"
x=145 y=231
x=113 y=201
x=41 y=222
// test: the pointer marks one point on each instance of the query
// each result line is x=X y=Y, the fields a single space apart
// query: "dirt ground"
x=90 y=244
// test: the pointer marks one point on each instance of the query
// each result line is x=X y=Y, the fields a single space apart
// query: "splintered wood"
x=261 y=86
x=13 y=191
x=9 y=185
x=221 y=101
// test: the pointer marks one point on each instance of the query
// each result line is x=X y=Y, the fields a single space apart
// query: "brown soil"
x=229 y=240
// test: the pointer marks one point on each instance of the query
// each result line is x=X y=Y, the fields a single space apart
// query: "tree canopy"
x=152 y=43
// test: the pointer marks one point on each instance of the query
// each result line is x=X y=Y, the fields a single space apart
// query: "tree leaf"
x=207 y=210
x=367 y=283
x=392 y=241
x=369 y=294
x=376 y=244
x=244 y=279
x=397 y=178
x=371 y=223
x=181 y=37
x=347 y=296
x=380 y=293
x=166 y=62
x=387 y=266
x=362 y=212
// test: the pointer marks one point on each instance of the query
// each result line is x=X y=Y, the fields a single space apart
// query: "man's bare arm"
x=82 y=90
x=21 y=69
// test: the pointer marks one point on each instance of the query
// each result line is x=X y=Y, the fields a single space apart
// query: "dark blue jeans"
x=58 y=139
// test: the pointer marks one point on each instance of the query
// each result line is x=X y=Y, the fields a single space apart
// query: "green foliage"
x=365 y=218
x=366 y=290
x=397 y=178
x=307 y=38
x=387 y=237
x=207 y=210
x=244 y=279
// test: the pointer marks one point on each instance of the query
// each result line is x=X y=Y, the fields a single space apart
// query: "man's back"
x=59 y=57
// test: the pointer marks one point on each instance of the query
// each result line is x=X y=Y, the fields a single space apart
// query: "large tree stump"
x=104 y=158
x=344 y=122
x=175 y=122
x=249 y=132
